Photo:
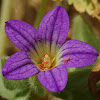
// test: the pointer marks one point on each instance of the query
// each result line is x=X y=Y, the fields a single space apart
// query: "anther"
x=68 y=58
x=47 y=63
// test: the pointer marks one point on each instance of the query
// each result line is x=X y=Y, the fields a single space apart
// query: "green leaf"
x=13 y=84
x=9 y=89
x=36 y=86
x=23 y=95
x=5 y=93
x=83 y=31
x=77 y=86
x=98 y=85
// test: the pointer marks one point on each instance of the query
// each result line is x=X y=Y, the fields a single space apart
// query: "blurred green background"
x=84 y=18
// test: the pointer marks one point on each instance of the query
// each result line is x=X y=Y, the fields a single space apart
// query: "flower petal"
x=19 y=66
x=78 y=54
x=55 y=25
x=55 y=79
x=21 y=34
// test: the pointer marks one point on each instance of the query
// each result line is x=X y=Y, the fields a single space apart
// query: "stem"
x=5 y=16
x=41 y=13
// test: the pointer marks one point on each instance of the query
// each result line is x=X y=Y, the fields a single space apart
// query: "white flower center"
x=45 y=56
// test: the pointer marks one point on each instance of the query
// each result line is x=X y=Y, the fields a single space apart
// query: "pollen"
x=47 y=63
x=68 y=58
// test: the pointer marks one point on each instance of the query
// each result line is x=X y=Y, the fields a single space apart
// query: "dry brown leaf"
x=93 y=79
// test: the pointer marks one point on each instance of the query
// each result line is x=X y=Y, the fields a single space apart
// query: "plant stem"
x=6 y=10
x=40 y=13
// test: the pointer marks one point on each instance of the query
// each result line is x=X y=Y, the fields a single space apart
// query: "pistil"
x=47 y=63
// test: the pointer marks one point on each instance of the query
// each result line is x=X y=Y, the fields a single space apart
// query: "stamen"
x=53 y=59
x=47 y=63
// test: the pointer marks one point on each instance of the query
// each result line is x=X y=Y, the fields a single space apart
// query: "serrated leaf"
x=84 y=32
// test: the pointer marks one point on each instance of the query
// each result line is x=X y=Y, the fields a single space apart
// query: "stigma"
x=47 y=63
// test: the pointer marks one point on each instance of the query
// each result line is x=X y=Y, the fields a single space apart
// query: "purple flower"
x=45 y=52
